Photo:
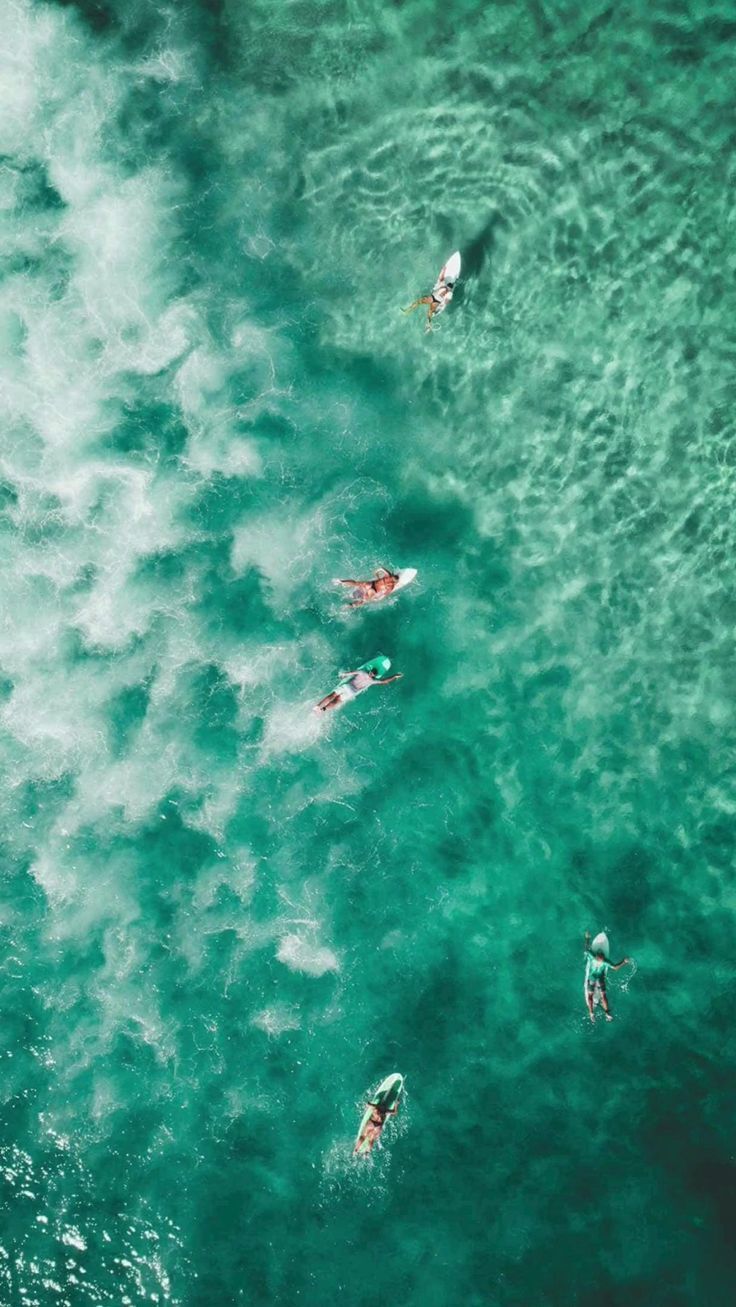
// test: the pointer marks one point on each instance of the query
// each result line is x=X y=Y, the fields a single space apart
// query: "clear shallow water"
x=224 y=920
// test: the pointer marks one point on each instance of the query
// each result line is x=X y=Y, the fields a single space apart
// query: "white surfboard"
x=406 y=575
x=450 y=271
x=600 y=944
x=388 y=1094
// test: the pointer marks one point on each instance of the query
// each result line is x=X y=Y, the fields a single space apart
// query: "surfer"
x=441 y=293
x=437 y=300
x=597 y=965
x=374 y=1125
x=356 y=682
x=367 y=592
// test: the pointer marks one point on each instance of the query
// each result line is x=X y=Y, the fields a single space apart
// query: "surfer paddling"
x=367 y=592
x=354 y=683
x=371 y=1131
x=437 y=300
x=596 y=967
x=441 y=293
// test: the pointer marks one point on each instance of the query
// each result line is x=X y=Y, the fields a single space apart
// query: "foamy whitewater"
x=224 y=918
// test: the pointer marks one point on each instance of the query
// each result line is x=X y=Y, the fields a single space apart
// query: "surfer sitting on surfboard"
x=367 y=592
x=597 y=965
x=374 y=1125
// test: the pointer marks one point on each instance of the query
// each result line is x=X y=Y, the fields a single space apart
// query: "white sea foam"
x=300 y=954
x=291 y=728
x=237 y=872
x=282 y=548
x=276 y=1020
x=73 y=1239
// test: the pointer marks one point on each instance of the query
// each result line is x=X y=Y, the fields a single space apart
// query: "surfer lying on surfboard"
x=354 y=683
x=367 y=592
x=441 y=293
x=596 y=966
x=374 y=1125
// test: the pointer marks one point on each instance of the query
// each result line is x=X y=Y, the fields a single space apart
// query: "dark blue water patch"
x=139 y=29
x=164 y=845
x=631 y=882
x=38 y=802
x=36 y=190
x=212 y=703
x=126 y=713
x=8 y=500
x=130 y=1051
x=149 y=429
x=717 y=840
x=429 y=523
x=236 y=606
x=166 y=568
x=100 y=15
x=221 y=503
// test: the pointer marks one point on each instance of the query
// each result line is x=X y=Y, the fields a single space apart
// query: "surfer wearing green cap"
x=354 y=683
x=596 y=967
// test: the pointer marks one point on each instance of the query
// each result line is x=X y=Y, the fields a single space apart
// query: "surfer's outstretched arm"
x=615 y=965
x=386 y=680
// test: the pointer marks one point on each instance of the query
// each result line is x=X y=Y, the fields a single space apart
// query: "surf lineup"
x=386 y=1099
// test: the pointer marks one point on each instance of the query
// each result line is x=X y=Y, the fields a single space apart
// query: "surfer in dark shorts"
x=367 y=592
x=437 y=300
x=374 y=1125
x=597 y=965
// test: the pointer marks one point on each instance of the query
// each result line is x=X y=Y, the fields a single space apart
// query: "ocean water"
x=224 y=919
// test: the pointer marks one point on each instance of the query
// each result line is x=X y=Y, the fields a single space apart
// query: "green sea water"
x=223 y=918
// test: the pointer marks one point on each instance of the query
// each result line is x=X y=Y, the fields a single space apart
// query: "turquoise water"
x=225 y=919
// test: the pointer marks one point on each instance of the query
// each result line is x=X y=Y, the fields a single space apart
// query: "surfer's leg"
x=330 y=701
x=589 y=1001
x=604 y=1002
x=426 y=299
x=363 y=593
